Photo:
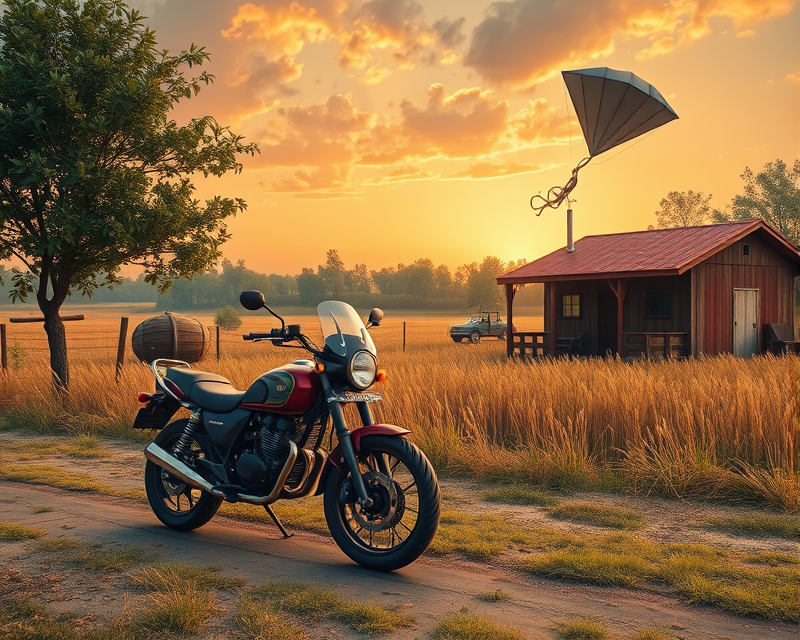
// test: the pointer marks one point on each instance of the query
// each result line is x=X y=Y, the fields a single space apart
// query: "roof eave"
x=571 y=277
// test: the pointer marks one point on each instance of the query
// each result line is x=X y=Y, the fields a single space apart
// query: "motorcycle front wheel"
x=175 y=503
x=402 y=520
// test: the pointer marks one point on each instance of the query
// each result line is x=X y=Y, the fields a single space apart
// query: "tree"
x=483 y=292
x=333 y=274
x=228 y=318
x=773 y=195
x=683 y=209
x=310 y=287
x=93 y=173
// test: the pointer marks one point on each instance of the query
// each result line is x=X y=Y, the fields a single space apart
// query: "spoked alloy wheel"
x=175 y=503
x=402 y=521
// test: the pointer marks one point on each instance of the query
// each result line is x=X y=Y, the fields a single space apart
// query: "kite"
x=612 y=107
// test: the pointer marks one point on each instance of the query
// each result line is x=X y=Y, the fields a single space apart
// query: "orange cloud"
x=322 y=139
x=793 y=77
x=541 y=124
x=372 y=35
x=285 y=28
x=521 y=42
x=489 y=171
x=467 y=123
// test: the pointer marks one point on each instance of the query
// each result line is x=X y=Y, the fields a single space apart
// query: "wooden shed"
x=664 y=292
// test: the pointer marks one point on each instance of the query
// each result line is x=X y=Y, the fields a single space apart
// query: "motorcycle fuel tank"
x=290 y=389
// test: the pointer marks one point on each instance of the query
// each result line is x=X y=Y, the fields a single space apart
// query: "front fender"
x=335 y=457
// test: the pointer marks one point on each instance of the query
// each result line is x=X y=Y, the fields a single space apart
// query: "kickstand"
x=277 y=522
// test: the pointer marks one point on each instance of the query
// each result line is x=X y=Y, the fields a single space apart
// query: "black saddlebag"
x=157 y=413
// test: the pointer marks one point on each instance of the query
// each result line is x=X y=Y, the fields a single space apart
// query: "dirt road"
x=430 y=588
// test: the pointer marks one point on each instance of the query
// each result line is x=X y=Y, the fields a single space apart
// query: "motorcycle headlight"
x=362 y=369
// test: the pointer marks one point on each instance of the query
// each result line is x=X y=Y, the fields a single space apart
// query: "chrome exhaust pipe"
x=168 y=462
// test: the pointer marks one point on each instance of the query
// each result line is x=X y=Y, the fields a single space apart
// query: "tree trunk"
x=57 y=341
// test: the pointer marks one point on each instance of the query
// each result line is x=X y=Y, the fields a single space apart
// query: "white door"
x=745 y=322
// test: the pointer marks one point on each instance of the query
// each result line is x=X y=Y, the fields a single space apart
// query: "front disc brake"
x=387 y=505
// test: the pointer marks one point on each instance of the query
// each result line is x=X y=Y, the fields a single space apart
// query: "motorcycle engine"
x=269 y=445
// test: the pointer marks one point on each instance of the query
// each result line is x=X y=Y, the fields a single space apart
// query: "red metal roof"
x=644 y=253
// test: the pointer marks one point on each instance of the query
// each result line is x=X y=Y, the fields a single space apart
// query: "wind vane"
x=612 y=107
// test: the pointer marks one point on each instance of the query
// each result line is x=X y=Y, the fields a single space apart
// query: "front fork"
x=343 y=435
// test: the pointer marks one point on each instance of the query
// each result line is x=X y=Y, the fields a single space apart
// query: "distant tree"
x=333 y=274
x=228 y=318
x=483 y=292
x=93 y=173
x=683 y=209
x=385 y=280
x=773 y=195
x=311 y=287
x=358 y=280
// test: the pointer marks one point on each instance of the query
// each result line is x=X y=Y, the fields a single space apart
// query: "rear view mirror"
x=252 y=300
x=375 y=317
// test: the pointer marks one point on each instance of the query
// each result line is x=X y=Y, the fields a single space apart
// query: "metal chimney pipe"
x=570 y=245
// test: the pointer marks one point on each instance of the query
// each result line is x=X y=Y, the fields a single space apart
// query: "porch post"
x=553 y=317
x=510 y=320
x=619 y=291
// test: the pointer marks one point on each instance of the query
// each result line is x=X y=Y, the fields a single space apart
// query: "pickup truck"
x=487 y=323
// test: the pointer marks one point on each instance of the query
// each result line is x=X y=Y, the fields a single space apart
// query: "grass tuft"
x=469 y=626
x=25 y=620
x=256 y=619
x=494 y=596
x=13 y=531
x=181 y=608
x=520 y=494
x=586 y=629
x=319 y=603
x=163 y=576
x=477 y=537
x=758 y=524
x=598 y=516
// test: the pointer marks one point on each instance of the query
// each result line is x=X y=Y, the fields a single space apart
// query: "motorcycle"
x=380 y=494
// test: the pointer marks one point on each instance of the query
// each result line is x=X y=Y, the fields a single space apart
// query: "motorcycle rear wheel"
x=176 y=504
x=403 y=520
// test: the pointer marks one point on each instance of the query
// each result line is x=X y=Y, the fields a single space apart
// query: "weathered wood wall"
x=716 y=278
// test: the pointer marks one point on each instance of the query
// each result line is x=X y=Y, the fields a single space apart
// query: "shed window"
x=571 y=306
x=658 y=304
x=746 y=249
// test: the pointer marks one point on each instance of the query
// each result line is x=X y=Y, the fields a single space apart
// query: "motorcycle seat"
x=216 y=396
x=208 y=390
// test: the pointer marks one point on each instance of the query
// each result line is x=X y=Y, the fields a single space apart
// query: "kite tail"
x=557 y=195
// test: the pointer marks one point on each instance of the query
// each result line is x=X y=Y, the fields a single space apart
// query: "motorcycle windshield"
x=342 y=329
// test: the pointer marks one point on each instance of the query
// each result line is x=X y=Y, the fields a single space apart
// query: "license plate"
x=353 y=396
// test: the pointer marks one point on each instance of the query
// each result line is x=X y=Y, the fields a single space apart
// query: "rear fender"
x=156 y=413
x=335 y=458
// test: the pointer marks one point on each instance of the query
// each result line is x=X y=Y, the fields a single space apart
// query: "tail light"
x=144 y=398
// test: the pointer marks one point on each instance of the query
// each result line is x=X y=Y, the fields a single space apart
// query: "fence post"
x=3 y=349
x=217 y=326
x=404 y=336
x=123 y=334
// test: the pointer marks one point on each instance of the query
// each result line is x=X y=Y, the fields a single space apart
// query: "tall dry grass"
x=710 y=427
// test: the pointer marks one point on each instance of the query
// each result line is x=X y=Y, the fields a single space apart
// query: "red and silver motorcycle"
x=380 y=494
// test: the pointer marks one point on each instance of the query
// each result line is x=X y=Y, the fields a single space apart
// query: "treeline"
x=419 y=285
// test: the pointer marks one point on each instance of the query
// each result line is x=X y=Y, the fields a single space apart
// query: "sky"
x=393 y=130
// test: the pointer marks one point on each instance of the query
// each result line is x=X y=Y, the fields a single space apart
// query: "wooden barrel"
x=170 y=335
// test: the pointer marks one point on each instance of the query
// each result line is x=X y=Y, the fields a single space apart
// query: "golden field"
x=716 y=427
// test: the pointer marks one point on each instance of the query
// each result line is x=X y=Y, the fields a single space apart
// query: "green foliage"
x=228 y=318
x=483 y=292
x=683 y=209
x=772 y=194
x=94 y=173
